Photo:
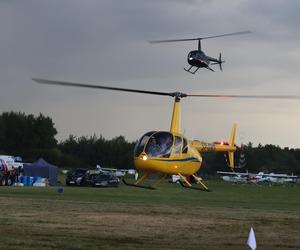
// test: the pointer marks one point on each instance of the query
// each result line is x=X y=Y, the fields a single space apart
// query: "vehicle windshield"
x=139 y=147
x=159 y=145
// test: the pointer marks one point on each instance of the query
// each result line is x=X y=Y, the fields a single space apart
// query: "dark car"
x=102 y=180
x=76 y=177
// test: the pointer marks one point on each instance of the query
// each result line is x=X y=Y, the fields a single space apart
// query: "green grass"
x=132 y=218
x=223 y=195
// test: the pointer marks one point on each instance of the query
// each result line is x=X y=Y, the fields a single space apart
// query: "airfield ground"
x=168 y=218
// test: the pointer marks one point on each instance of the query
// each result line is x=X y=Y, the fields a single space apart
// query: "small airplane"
x=277 y=178
x=234 y=176
x=258 y=178
x=197 y=58
x=170 y=152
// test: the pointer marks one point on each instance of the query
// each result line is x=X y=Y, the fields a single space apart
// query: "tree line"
x=32 y=137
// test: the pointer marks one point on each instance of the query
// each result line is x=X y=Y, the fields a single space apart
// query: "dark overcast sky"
x=105 y=42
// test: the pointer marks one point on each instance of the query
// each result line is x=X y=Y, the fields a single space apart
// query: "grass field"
x=168 y=218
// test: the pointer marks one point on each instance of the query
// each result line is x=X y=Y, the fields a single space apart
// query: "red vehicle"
x=7 y=175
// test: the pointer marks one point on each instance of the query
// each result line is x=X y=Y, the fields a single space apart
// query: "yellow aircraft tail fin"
x=228 y=148
x=231 y=145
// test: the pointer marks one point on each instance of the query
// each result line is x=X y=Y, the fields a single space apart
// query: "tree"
x=22 y=134
x=92 y=151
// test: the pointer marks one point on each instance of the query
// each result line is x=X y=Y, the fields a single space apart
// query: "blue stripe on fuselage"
x=193 y=159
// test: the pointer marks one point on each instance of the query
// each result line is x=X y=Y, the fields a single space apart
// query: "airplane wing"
x=125 y=171
x=280 y=175
x=232 y=173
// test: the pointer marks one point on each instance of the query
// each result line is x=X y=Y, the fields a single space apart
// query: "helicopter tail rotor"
x=220 y=62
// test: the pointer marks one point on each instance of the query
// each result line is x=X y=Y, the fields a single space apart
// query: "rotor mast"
x=199 y=44
x=176 y=118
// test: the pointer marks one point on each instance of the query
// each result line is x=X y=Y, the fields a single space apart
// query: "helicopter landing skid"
x=193 y=187
x=140 y=180
x=136 y=185
x=186 y=184
x=189 y=70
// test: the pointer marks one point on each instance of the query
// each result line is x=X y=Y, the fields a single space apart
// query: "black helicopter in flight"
x=197 y=58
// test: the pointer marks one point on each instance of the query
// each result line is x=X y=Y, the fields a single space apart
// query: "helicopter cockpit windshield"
x=139 y=147
x=192 y=55
x=159 y=145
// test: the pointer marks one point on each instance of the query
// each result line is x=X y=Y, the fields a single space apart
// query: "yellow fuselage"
x=184 y=163
x=167 y=153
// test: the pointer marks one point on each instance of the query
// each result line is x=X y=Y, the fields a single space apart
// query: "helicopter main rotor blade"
x=200 y=38
x=174 y=40
x=288 y=97
x=82 y=85
x=172 y=94
x=229 y=34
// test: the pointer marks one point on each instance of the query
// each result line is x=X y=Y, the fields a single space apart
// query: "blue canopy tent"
x=43 y=169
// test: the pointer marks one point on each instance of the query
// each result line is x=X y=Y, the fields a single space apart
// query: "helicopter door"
x=177 y=145
x=185 y=146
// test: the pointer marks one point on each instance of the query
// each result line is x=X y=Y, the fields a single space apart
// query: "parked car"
x=76 y=177
x=102 y=180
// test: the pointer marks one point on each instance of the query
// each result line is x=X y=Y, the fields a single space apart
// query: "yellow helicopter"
x=169 y=152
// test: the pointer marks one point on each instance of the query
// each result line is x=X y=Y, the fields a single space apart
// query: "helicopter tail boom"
x=217 y=61
x=221 y=146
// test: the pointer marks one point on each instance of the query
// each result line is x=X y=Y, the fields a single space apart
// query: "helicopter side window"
x=177 y=145
x=139 y=147
x=159 y=145
x=185 y=146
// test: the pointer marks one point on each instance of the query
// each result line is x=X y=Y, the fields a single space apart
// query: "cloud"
x=105 y=42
